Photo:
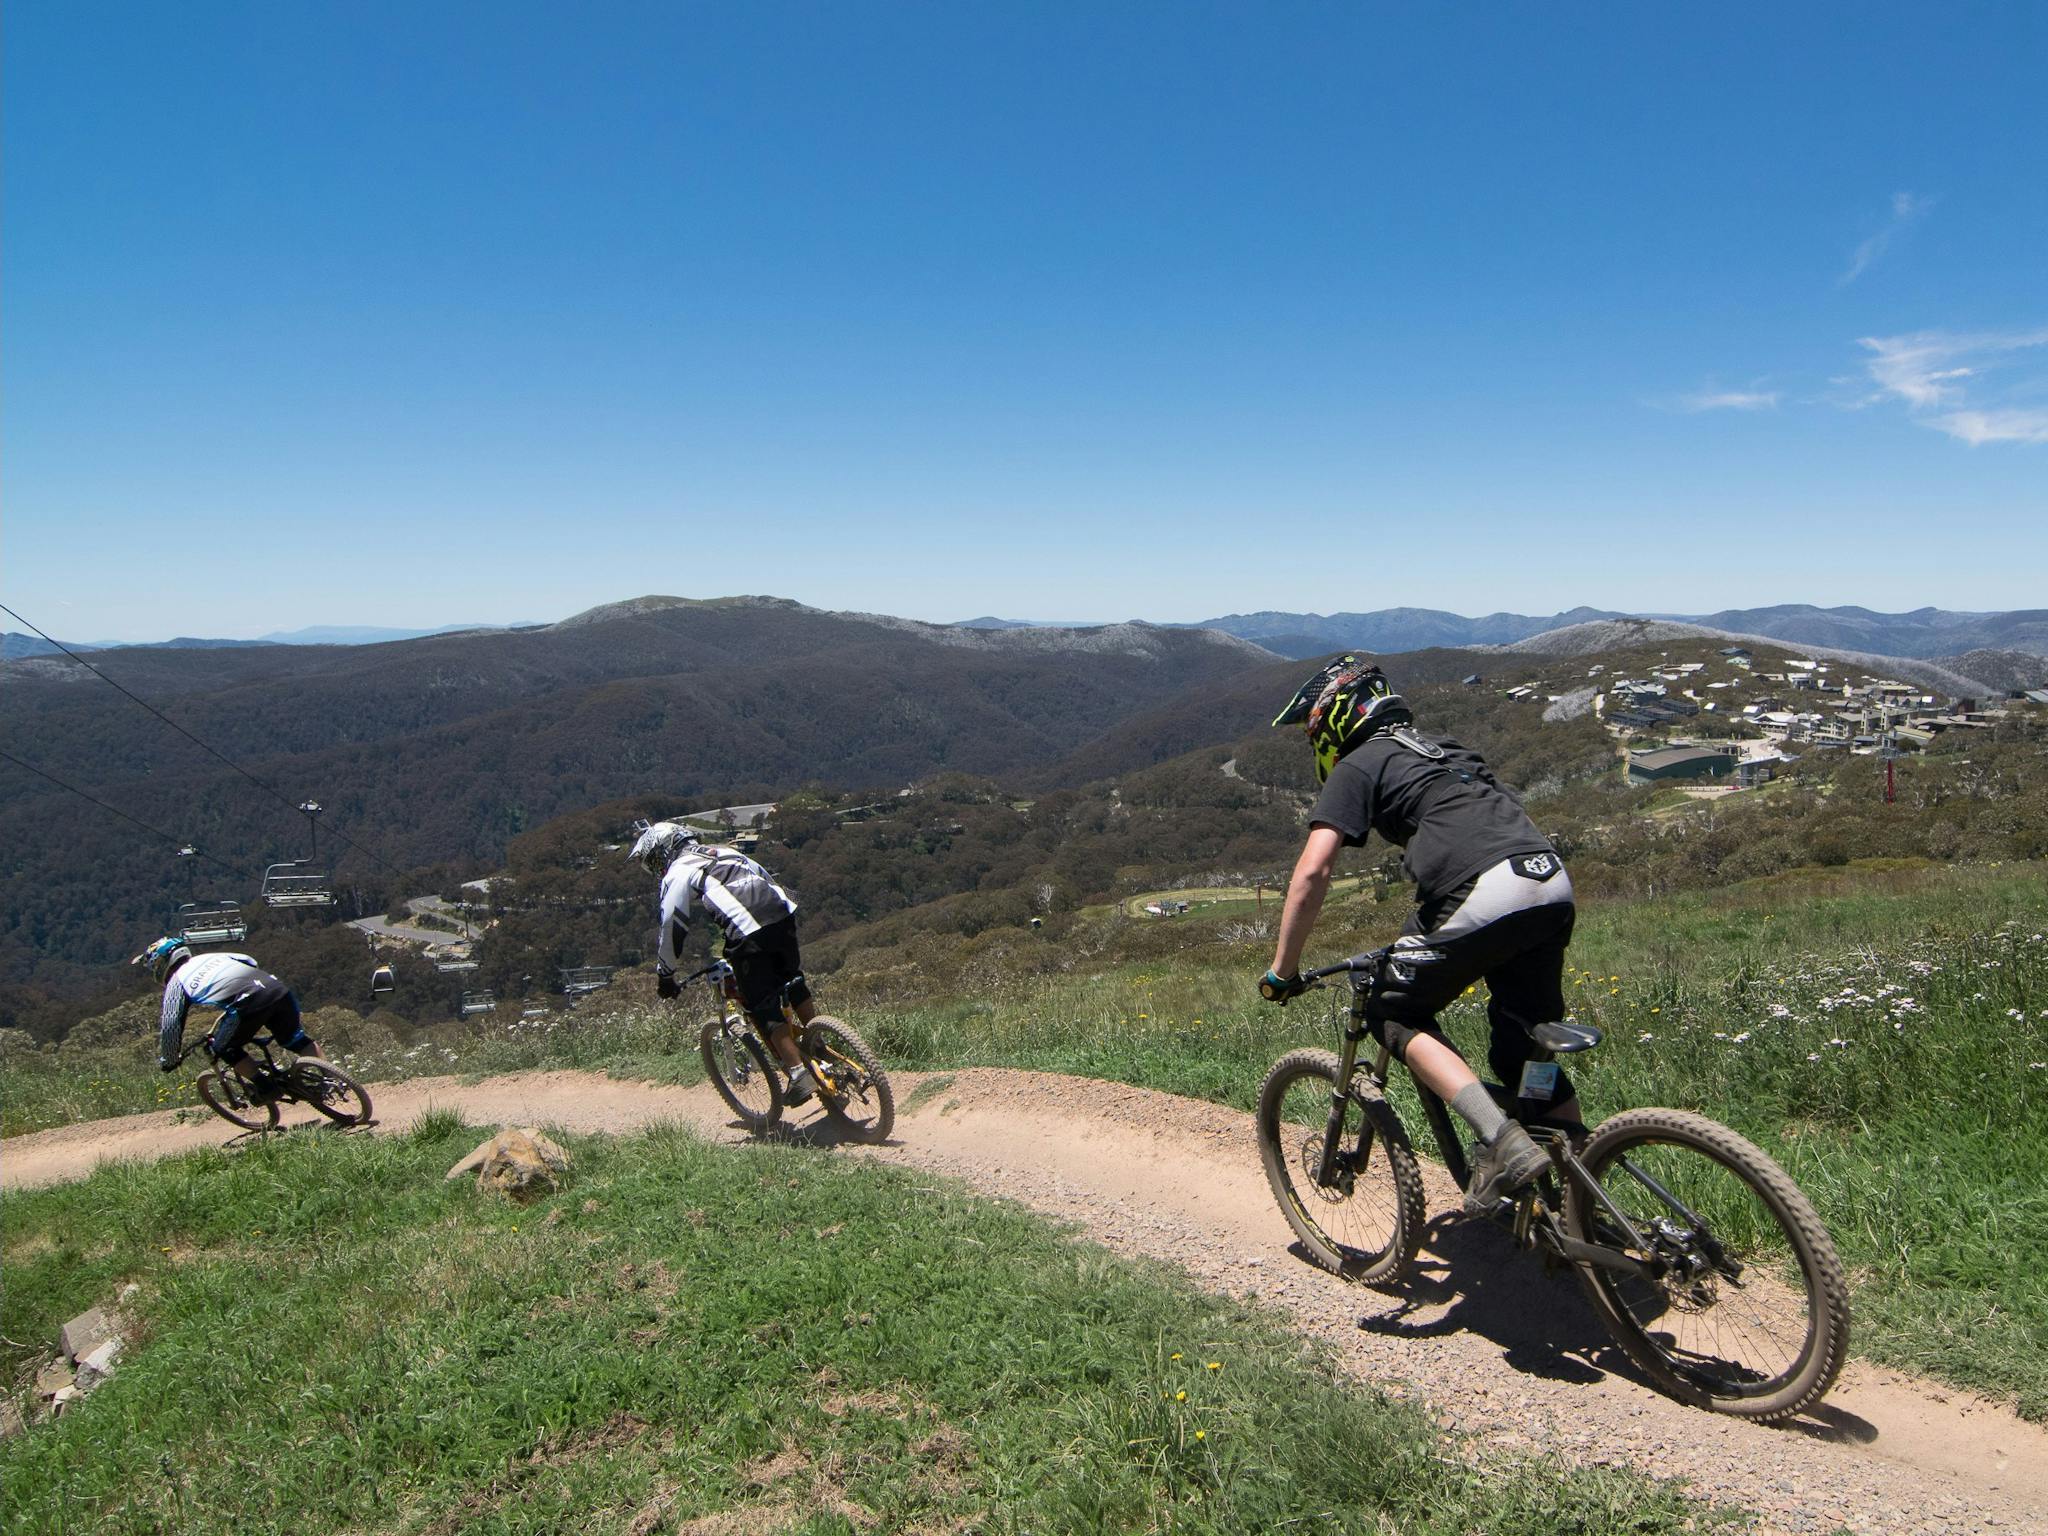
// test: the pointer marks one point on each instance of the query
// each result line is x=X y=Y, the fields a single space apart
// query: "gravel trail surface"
x=1493 y=1345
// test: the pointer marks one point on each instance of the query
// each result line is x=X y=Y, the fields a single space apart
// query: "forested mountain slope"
x=440 y=749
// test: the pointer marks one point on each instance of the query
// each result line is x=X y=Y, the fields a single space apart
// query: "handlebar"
x=1371 y=960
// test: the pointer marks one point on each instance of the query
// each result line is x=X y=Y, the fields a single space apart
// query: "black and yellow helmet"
x=1343 y=704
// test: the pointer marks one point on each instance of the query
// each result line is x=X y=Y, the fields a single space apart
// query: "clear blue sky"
x=429 y=312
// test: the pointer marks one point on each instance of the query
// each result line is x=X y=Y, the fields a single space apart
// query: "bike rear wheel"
x=228 y=1096
x=330 y=1090
x=739 y=1070
x=851 y=1083
x=1751 y=1313
x=1365 y=1222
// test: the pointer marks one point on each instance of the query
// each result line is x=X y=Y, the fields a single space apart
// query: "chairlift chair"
x=382 y=980
x=578 y=979
x=478 y=1002
x=293 y=885
x=212 y=922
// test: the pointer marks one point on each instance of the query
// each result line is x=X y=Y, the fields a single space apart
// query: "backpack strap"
x=1406 y=736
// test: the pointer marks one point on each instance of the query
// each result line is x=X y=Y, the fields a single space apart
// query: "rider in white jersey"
x=249 y=999
x=757 y=917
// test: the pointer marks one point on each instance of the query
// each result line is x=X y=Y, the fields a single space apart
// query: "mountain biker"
x=1493 y=903
x=758 y=918
x=250 y=999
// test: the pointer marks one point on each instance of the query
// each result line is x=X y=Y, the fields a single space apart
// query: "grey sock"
x=1475 y=1106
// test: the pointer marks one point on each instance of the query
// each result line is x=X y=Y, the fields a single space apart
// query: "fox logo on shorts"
x=1537 y=866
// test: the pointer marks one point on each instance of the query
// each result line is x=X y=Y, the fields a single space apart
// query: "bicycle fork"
x=1340 y=1095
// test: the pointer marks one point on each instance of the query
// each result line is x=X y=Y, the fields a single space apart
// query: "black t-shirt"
x=1450 y=814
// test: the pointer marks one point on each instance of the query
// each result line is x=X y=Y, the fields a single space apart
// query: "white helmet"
x=658 y=844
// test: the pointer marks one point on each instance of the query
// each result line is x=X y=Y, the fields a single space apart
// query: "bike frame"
x=1535 y=1221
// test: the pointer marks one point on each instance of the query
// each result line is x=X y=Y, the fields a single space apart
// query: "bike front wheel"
x=330 y=1090
x=1745 y=1309
x=1363 y=1218
x=851 y=1083
x=739 y=1070
x=228 y=1096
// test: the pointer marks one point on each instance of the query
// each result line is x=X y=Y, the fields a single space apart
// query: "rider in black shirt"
x=1493 y=903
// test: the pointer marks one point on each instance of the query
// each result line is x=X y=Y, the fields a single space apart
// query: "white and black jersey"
x=218 y=980
x=740 y=896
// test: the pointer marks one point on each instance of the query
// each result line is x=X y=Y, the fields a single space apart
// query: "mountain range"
x=1925 y=633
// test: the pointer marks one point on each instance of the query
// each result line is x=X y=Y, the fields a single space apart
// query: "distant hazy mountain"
x=15 y=646
x=1390 y=629
x=1925 y=632
x=370 y=634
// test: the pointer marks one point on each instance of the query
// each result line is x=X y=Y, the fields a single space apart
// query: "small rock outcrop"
x=520 y=1164
x=87 y=1349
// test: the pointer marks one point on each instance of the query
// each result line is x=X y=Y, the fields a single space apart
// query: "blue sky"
x=415 y=313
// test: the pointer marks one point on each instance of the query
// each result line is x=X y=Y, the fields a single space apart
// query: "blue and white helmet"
x=658 y=844
x=164 y=956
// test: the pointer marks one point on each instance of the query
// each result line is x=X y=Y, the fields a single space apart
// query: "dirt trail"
x=1493 y=1345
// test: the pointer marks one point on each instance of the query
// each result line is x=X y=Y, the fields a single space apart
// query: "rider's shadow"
x=1540 y=1320
x=821 y=1132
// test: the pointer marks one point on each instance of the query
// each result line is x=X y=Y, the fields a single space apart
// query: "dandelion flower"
x=1201 y=1434
x=1177 y=1355
x=1181 y=1396
x=1215 y=1365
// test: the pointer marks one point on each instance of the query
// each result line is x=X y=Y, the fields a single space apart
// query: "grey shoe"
x=801 y=1086
x=1504 y=1167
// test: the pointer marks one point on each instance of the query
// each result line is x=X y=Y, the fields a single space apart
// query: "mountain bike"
x=1701 y=1256
x=852 y=1086
x=253 y=1104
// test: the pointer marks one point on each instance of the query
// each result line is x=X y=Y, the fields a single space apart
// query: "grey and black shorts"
x=1507 y=926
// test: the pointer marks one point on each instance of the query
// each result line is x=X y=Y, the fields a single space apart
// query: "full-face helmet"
x=1345 y=703
x=164 y=956
x=658 y=844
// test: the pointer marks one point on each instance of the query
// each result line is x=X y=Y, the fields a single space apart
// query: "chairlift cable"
x=269 y=789
x=176 y=842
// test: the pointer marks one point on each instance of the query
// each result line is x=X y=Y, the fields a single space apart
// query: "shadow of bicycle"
x=1468 y=1278
x=820 y=1132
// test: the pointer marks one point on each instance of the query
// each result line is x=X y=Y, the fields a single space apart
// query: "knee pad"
x=797 y=991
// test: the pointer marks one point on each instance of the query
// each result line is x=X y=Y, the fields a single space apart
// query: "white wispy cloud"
x=1979 y=427
x=1906 y=210
x=1729 y=400
x=1934 y=373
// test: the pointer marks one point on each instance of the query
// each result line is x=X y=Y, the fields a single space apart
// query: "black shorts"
x=1507 y=926
x=270 y=1006
x=769 y=971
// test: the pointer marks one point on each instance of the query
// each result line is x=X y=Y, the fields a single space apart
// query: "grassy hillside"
x=1881 y=1030
x=332 y=1338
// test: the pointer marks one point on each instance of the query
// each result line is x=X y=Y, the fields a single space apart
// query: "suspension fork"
x=1340 y=1095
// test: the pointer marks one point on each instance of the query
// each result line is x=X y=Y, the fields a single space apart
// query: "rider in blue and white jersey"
x=249 y=999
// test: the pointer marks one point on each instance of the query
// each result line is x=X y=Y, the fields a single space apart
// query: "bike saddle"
x=1563 y=1039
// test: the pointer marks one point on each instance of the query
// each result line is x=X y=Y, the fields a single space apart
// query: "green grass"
x=1916 y=1138
x=1913 y=1135
x=331 y=1337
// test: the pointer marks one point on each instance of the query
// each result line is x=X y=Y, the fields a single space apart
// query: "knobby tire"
x=230 y=1100
x=1370 y=1230
x=738 y=1068
x=1788 y=1307
x=329 y=1090
x=864 y=1105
